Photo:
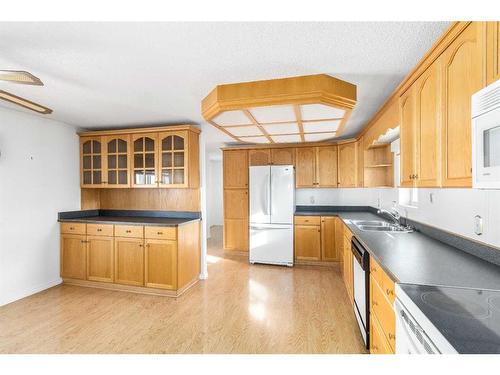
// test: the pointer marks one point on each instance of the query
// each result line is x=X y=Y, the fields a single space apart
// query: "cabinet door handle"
x=99 y=229
x=389 y=292
x=128 y=231
x=374 y=303
x=392 y=336
x=141 y=245
x=71 y=228
x=159 y=232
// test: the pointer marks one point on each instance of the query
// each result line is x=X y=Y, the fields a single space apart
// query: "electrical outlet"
x=311 y=199
x=478 y=225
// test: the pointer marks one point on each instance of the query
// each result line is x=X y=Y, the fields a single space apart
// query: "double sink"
x=380 y=226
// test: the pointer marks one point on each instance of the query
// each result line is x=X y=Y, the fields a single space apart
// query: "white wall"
x=449 y=209
x=214 y=192
x=39 y=176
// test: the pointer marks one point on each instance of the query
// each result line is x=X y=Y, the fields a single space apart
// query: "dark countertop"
x=469 y=319
x=153 y=218
x=414 y=258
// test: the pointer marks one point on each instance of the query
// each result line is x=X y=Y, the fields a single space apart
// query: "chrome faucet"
x=392 y=213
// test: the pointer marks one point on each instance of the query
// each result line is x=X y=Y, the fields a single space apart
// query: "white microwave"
x=486 y=137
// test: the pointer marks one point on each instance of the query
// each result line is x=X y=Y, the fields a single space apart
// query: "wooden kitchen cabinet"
x=316 y=166
x=347 y=165
x=100 y=260
x=73 y=256
x=166 y=157
x=161 y=264
x=236 y=203
x=129 y=261
x=259 y=157
x=305 y=167
x=308 y=242
x=283 y=156
x=92 y=162
x=382 y=315
x=117 y=155
x=492 y=51
x=235 y=169
x=235 y=234
x=360 y=162
x=348 y=268
x=408 y=146
x=329 y=251
x=463 y=74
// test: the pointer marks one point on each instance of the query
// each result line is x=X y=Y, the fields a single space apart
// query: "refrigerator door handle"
x=268 y=197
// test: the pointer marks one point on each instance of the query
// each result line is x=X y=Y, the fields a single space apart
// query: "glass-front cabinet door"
x=144 y=160
x=173 y=158
x=92 y=163
x=117 y=161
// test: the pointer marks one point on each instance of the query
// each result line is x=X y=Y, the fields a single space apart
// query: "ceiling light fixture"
x=283 y=110
x=18 y=76
x=4 y=95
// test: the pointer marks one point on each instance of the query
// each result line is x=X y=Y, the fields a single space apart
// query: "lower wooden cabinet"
x=73 y=256
x=328 y=246
x=236 y=234
x=347 y=270
x=382 y=315
x=136 y=258
x=100 y=262
x=129 y=261
x=161 y=263
x=308 y=242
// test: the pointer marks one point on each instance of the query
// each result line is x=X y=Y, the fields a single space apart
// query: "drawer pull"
x=389 y=292
x=128 y=231
x=99 y=229
x=159 y=233
x=71 y=228
x=140 y=245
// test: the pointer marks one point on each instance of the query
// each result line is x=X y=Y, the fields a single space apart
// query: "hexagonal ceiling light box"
x=286 y=110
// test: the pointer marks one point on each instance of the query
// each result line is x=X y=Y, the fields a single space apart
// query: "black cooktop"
x=468 y=318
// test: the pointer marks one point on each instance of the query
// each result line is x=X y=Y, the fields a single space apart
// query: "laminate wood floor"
x=241 y=308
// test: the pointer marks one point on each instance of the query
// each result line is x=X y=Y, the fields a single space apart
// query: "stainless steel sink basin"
x=380 y=226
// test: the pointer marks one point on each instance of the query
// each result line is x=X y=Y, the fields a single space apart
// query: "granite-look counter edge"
x=130 y=217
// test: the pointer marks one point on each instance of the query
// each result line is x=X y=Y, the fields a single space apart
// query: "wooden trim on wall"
x=150 y=129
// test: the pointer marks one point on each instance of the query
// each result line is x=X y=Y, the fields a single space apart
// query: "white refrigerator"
x=272 y=203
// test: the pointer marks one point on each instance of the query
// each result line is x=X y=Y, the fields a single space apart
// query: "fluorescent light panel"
x=290 y=128
x=20 y=77
x=255 y=139
x=24 y=102
x=291 y=138
x=273 y=113
x=321 y=126
x=244 y=130
x=232 y=118
x=320 y=112
x=315 y=137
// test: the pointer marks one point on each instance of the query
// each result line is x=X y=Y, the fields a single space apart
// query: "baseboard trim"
x=30 y=291
x=131 y=288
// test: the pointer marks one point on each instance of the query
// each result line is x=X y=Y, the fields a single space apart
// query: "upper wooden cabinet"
x=493 y=51
x=283 y=156
x=145 y=160
x=235 y=169
x=361 y=162
x=117 y=160
x=347 y=167
x=316 y=166
x=408 y=134
x=92 y=162
x=259 y=157
x=463 y=65
x=153 y=157
x=428 y=127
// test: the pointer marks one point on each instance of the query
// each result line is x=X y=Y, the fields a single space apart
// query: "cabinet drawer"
x=100 y=229
x=378 y=342
x=135 y=231
x=307 y=220
x=385 y=282
x=382 y=309
x=73 y=228
x=161 y=233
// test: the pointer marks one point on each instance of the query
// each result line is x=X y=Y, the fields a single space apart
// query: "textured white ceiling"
x=125 y=74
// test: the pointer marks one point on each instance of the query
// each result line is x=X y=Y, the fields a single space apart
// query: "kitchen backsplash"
x=453 y=210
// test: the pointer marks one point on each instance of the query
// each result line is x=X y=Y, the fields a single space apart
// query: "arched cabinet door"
x=173 y=159
x=144 y=171
x=118 y=161
x=92 y=164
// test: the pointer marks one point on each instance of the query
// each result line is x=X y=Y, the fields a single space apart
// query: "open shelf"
x=378 y=169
